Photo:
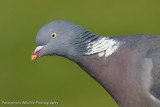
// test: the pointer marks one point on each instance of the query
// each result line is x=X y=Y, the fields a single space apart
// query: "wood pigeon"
x=128 y=67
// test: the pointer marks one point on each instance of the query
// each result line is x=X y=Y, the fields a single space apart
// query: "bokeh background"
x=56 y=78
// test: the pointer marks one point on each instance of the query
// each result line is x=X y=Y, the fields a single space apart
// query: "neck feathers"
x=93 y=44
x=88 y=43
x=104 y=46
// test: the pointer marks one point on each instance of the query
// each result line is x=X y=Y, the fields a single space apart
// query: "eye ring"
x=53 y=35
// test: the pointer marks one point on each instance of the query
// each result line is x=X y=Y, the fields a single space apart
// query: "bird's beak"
x=37 y=53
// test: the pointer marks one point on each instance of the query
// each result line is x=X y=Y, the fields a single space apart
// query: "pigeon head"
x=59 y=38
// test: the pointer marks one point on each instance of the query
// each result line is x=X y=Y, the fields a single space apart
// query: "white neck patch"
x=104 y=46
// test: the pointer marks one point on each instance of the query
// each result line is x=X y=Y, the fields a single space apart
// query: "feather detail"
x=103 y=43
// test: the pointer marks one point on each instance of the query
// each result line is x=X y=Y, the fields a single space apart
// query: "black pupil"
x=53 y=35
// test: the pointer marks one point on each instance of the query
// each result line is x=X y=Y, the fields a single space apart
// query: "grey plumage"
x=128 y=67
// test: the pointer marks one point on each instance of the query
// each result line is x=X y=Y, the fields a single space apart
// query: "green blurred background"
x=56 y=78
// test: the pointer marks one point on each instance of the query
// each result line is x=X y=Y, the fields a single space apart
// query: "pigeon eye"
x=53 y=35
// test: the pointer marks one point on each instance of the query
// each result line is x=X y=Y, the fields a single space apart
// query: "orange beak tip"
x=33 y=57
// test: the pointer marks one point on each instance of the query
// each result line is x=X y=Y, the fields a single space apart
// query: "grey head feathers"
x=72 y=41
